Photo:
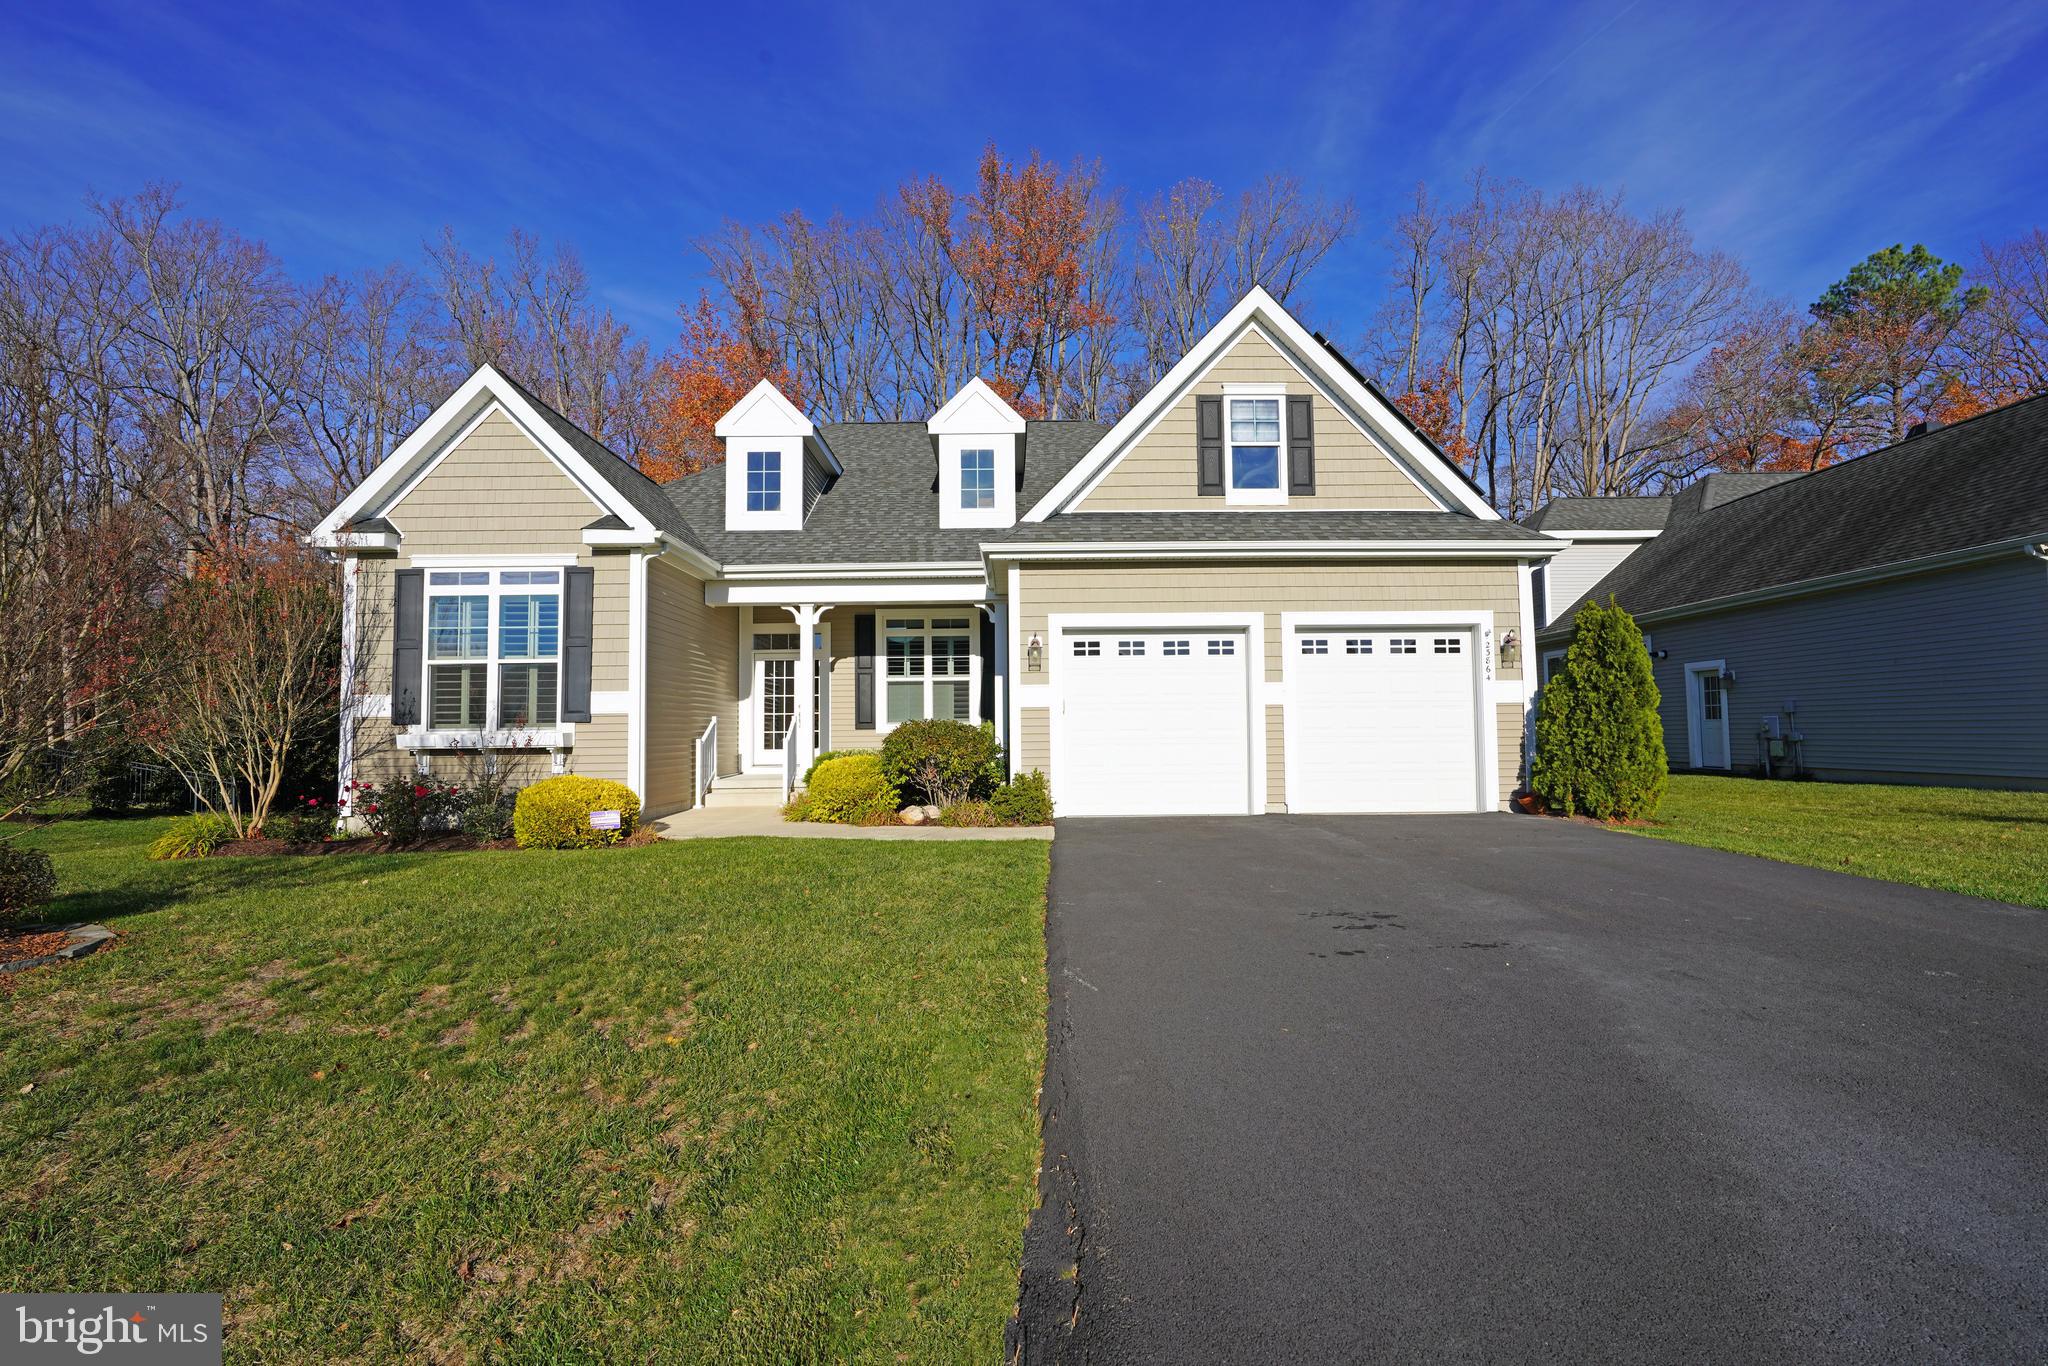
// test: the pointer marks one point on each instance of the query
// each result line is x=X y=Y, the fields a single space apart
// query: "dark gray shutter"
x=988 y=667
x=408 y=639
x=1301 y=444
x=864 y=671
x=576 y=608
x=1209 y=446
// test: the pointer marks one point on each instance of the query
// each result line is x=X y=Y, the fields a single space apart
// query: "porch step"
x=745 y=789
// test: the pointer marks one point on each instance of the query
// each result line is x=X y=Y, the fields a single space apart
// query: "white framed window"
x=1255 y=447
x=1358 y=645
x=493 y=649
x=928 y=669
x=1315 y=645
x=764 y=481
x=1174 y=647
x=977 y=479
x=1401 y=645
x=1225 y=646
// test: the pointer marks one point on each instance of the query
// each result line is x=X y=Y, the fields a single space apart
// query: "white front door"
x=774 y=705
x=1707 y=697
x=1384 y=719
x=1154 y=723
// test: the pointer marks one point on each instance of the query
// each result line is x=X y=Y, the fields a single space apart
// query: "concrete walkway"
x=726 y=822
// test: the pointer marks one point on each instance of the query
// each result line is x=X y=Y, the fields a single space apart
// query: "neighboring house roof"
x=1979 y=483
x=620 y=474
x=885 y=508
x=1600 y=514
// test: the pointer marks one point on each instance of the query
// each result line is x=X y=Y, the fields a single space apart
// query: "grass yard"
x=1989 y=844
x=746 y=1100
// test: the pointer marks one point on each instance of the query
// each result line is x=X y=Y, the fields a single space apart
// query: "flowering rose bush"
x=406 y=810
x=310 y=821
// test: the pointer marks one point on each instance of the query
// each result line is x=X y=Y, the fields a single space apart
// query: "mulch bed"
x=1529 y=804
x=16 y=945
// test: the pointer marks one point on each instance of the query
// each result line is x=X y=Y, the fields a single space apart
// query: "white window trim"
x=423 y=735
x=1232 y=494
x=883 y=725
x=1485 y=720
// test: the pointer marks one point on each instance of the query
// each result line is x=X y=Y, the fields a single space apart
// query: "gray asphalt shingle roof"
x=1976 y=483
x=1600 y=514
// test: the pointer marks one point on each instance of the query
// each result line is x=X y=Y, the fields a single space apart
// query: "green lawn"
x=747 y=1100
x=1989 y=844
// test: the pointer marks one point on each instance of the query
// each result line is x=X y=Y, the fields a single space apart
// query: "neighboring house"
x=1600 y=533
x=1884 y=619
x=1260 y=590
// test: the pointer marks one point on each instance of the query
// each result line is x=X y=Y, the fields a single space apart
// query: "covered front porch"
x=827 y=665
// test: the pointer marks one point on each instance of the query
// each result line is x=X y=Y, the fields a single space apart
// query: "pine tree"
x=1599 y=743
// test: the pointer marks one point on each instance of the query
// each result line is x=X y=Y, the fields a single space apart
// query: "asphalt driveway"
x=1343 y=1088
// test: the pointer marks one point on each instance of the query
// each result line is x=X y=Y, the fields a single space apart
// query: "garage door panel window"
x=928 y=667
x=1223 y=647
x=1450 y=645
x=1130 y=647
x=1174 y=647
x=1314 y=645
x=1087 y=649
x=1401 y=645
x=1358 y=645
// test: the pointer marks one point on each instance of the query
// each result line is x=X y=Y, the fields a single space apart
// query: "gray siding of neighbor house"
x=1939 y=678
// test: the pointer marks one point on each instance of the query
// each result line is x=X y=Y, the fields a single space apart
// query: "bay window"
x=928 y=669
x=494 y=646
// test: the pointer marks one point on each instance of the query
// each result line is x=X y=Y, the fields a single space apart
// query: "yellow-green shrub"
x=848 y=791
x=193 y=836
x=554 y=813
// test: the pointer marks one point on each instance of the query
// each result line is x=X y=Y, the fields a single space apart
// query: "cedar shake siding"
x=1159 y=471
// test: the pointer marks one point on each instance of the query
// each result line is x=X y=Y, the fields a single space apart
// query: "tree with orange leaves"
x=1432 y=406
x=714 y=366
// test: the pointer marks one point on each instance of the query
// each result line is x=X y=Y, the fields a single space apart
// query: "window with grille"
x=1358 y=645
x=928 y=669
x=1448 y=645
x=1087 y=648
x=494 y=645
x=764 y=481
x=1225 y=646
x=1174 y=647
x=1401 y=645
x=1315 y=645
x=1130 y=647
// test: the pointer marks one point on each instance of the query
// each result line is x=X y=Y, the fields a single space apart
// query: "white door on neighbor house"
x=1707 y=695
x=1153 y=723
x=1383 y=720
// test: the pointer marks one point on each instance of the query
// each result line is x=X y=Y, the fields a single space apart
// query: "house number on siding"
x=1486 y=650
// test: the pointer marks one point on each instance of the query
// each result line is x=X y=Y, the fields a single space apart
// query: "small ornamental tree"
x=1599 y=743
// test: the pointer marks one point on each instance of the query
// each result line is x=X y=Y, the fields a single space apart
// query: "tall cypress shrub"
x=1599 y=743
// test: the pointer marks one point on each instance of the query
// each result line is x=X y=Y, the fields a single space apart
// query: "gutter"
x=1262 y=550
x=2034 y=544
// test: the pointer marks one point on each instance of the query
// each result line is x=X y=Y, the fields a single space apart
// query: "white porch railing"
x=799 y=724
x=707 y=759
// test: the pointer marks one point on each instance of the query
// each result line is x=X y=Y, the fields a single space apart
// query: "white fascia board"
x=835 y=593
x=1260 y=307
x=817 y=443
x=892 y=569
x=353 y=540
x=1632 y=535
x=432 y=438
x=976 y=410
x=1207 y=550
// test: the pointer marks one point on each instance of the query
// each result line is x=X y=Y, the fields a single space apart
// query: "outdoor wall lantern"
x=1727 y=680
x=1034 y=654
x=1510 y=650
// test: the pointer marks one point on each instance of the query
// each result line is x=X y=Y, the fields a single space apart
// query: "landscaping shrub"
x=27 y=880
x=308 y=821
x=942 y=762
x=850 y=790
x=1599 y=743
x=831 y=754
x=1025 y=800
x=970 y=814
x=554 y=813
x=193 y=836
x=406 y=810
x=487 y=816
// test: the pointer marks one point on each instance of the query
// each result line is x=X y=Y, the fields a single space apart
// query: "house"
x=1599 y=533
x=1260 y=590
x=1880 y=620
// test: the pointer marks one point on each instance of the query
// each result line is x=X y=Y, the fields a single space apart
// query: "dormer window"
x=1253 y=450
x=979 y=439
x=764 y=481
x=977 y=479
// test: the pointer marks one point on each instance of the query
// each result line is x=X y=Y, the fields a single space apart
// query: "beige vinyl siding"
x=1034 y=740
x=840 y=703
x=692 y=675
x=496 y=493
x=1276 y=758
x=1271 y=589
x=1158 y=471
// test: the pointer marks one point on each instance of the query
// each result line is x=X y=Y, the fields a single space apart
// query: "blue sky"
x=1798 y=137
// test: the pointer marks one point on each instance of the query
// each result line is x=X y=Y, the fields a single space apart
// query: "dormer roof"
x=977 y=410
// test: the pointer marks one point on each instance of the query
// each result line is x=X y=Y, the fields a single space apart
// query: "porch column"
x=807 y=617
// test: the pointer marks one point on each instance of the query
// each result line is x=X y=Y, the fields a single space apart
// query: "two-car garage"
x=1171 y=719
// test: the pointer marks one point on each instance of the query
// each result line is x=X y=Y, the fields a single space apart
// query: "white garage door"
x=1383 y=720
x=1154 y=723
